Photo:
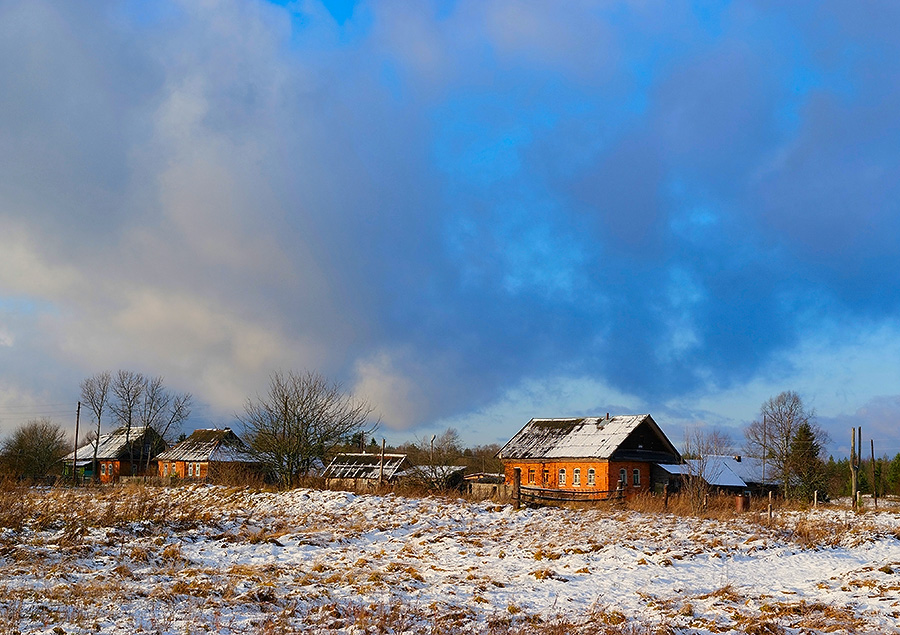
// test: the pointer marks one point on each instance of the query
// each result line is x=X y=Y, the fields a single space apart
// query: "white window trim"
x=562 y=476
x=576 y=477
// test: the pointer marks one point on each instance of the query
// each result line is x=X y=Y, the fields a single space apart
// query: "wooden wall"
x=606 y=475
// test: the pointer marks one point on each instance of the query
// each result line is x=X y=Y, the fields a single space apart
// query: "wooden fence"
x=541 y=496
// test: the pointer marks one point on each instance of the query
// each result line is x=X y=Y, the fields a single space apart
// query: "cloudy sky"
x=472 y=212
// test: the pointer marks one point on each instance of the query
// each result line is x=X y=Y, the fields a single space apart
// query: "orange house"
x=207 y=453
x=128 y=451
x=588 y=458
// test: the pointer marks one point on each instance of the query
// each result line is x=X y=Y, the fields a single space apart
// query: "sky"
x=468 y=212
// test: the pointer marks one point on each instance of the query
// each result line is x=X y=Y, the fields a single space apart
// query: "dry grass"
x=141 y=538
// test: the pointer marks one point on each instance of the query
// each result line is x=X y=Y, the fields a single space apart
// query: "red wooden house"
x=128 y=451
x=206 y=454
x=589 y=457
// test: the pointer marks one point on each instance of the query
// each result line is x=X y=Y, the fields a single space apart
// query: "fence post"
x=517 y=485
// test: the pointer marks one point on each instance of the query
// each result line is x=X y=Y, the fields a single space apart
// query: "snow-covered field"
x=213 y=559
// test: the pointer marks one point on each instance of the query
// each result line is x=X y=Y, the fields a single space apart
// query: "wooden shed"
x=587 y=458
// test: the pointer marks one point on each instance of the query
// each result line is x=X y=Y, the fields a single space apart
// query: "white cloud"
x=396 y=396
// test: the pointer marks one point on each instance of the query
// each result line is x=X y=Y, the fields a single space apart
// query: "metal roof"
x=365 y=465
x=211 y=444
x=587 y=437
x=113 y=446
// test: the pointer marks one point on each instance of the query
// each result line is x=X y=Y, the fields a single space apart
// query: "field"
x=202 y=559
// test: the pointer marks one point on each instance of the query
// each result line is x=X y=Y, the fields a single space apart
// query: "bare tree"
x=128 y=391
x=161 y=411
x=141 y=401
x=432 y=456
x=95 y=394
x=35 y=449
x=303 y=417
x=700 y=446
x=770 y=437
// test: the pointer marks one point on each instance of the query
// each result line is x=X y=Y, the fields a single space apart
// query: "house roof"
x=715 y=470
x=113 y=445
x=582 y=438
x=724 y=471
x=365 y=465
x=211 y=444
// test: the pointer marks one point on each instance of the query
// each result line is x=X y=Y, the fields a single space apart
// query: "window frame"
x=576 y=477
x=592 y=477
x=561 y=477
x=635 y=478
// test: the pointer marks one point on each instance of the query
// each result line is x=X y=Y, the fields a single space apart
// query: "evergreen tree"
x=805 y=466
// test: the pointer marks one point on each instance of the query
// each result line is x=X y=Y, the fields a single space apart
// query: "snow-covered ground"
x=214 y=559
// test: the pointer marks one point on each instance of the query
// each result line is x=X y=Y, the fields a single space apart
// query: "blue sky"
x=470 y=212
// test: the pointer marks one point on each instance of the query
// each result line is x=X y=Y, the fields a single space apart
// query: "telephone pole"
x=75 y=453
x=854 y=462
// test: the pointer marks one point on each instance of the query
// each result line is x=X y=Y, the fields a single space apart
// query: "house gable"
x=646 y=443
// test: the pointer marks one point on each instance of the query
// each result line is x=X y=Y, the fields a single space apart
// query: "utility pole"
x=433 y=437
x=75 y=453
x=854 y=463
x=874 y=482
x=381 y=464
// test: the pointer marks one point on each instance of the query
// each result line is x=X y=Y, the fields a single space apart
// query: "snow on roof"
x=587 y=437
x=715 y=470
x=365 y=465
x=723 y=471
x=751 y=470
x=210 y=444
x=113 y=445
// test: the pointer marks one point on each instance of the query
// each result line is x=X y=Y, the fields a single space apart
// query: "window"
x=196 y=469
x=636 y=478
x=623 y=477
x=562 y=477
x=531 y=474
x=546 y=481
x=103 y=469
x=165 y=469
x=576 y=477
x=190 y=469
x=592 y=480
